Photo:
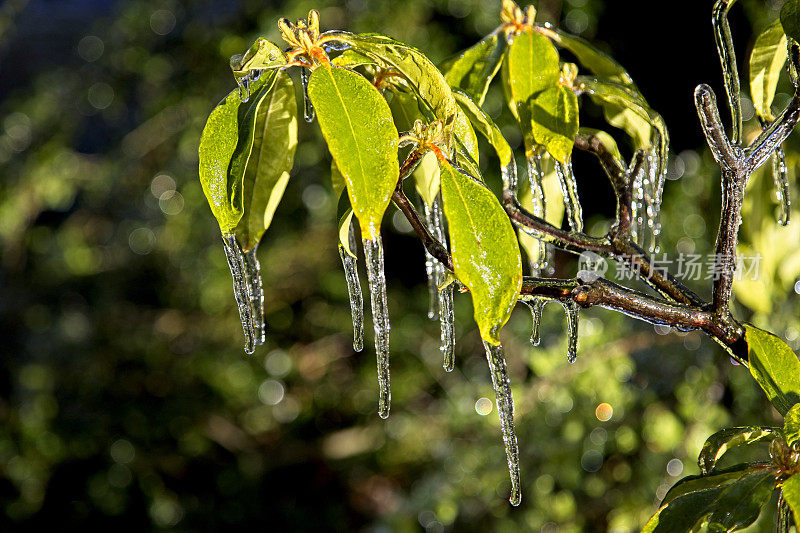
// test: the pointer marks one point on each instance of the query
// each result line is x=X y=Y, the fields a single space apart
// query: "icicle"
x=350 y=265
x=571 y=309
x=308 y=109
x=570 y=191
x=637 y=207
x=505 y=409
x=373 y=250
x=537 y=306
x=650 y=184
x=252 y=273
x=241 y=290
x=447 y=323
x=536 y=179
x=430 y=268
x=659 y=180
x=779 y=174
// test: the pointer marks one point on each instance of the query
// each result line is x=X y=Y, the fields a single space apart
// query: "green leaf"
x=554 y=121
x=531 y=66
x=357 y=125
x=485 y=126
x=592 y=58
x=262 y=55
x=337 y=181
x=405 y=110
x=270 y=158
x=766 y=63
x=791 y=493
x=473 y=70
x=742 y=501
x=224 y=147
x=344 y=232
x=683 y=513
x=774 y=366
x=426 y=178
x=791 y=425
x=352 y=59
x=719 y=478
x=484 y=247
x=720 y=442
x=790 y=19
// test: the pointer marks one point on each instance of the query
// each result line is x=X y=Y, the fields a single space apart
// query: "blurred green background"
x=125 y=398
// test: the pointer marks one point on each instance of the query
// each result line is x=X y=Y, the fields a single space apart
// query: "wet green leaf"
x=774 y=366
x=473 y=70
x=344 y=232
x=485 y=126
x=791 y=493
x=230 y=125
x=790 y=19
x=592 y=58
x=720 y=442
x=791 y=425
x=683 y=513
x=766 y=64
x=426 y=178
x=405 y=110
x=531 y=66
x=554 y=121
x=262 y=55
x=352 y=59
x=485 y=252
x=741 y=502
x=357 y=125
x=337 y=181
x=699 y=483
x=270 y=159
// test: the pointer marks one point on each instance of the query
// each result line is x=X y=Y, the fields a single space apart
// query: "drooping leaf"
x=766 y=63
x=554 y=121
x=791 y=425
x=719 y=478
x=426 y=178
x=531 y=66
x=790 y=19
x=720 y=442
x=475 y=68
x=486 y=257
x=344 y=232
x=774 y=366
x=230 y=125
x=791 y=493
x=680 y=515
x=270 y=158
x=485 y=126
x=357 y=125
x=741 y=502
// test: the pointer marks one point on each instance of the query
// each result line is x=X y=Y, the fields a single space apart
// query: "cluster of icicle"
x=247 y=289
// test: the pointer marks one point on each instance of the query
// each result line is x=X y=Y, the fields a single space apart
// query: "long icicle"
x=637 y=207
x=780 y=175
x=308 y=108
x=373 y=250
x=536 y=179
x=252 y=272
x=505 y=409
x=350 y=265
x=445 y=295
x=241 y=291
x=537 y=306
x=650 y=188
x=570 y=191
x=571 y=309
x=430 y=269
x=659 y=180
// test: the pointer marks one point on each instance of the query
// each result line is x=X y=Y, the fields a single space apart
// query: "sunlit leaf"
x=473 y=70
x=352 y=59
x=270 y=158
x=486 y=127
x=484 y=247
x=722 y=441
x=357 y=125
x=699 y=483
x=766 y=64
x=344 y=232
x=337 y=181
x=791 y=425
x=531 y=66
x=790 y=19
x=554 y=121
x=262 y=55
x=791 y=493
x=775 y=367
x=591 y=57
x=222 y=166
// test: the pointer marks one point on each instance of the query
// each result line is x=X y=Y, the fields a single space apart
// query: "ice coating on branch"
x=536 y=179
x=571 y=309
x=537 y=306
x=780 y=175
x=441 y=299
x=373 y=250
x=570 y=191
x=241 y=290
x=505 y=409
x=252 y=275
x=658 y=178
x=350 y=265
x=727 y=58
x=308 y=108
x=637 y=208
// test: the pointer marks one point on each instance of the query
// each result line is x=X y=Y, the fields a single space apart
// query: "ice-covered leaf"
x=222 y=166
x=766 y=63
x=791 y=425
x=591 y=57
x=247 y=67
x=742 y=501
x=554 y=121
x=790 y=19
x=270 y=156
x=531 y=66
x=473 y=70
x=344 y=232
x=357 y=125
x=791 y=493
x=485 y=252
x=484 y=124
x=720 y=442
x=775 y=367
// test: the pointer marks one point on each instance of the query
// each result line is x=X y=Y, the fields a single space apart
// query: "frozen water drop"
x=505 y=409
x=537 y=306
x=373 y=250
